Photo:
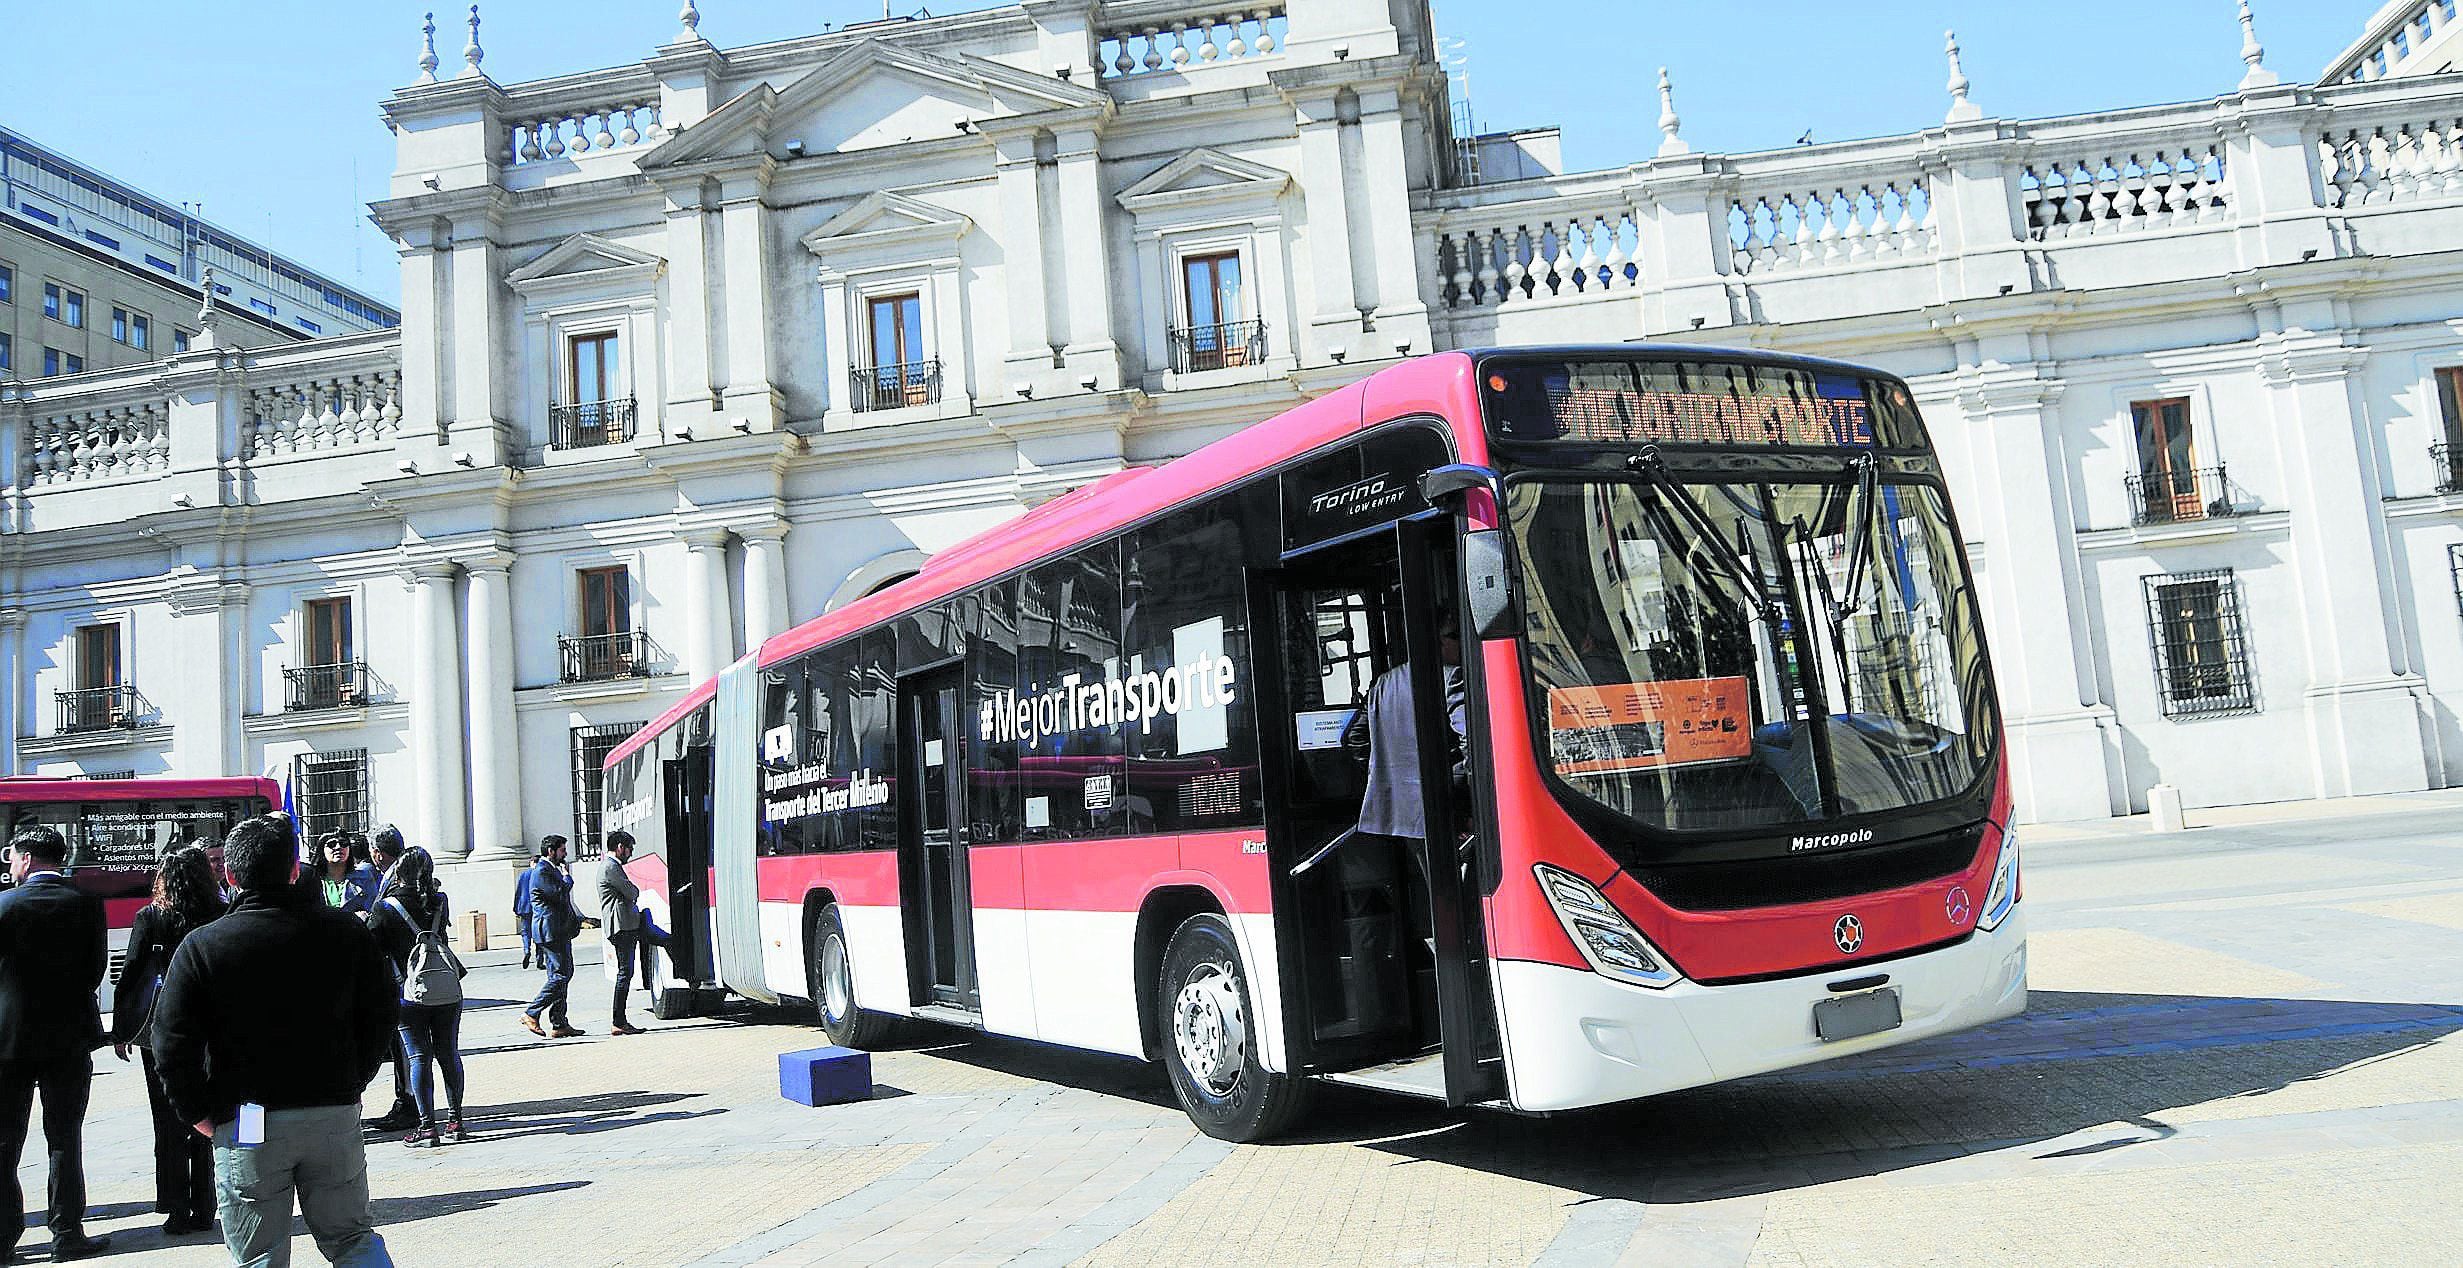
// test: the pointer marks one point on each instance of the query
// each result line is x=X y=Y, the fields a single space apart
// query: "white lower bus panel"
x=1575 y=1038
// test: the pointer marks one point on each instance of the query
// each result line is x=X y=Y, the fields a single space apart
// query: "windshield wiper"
x=1859 y=551
x=1652 y=467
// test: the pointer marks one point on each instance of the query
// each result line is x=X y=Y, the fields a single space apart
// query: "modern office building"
x=95 y=273
x=704 y=345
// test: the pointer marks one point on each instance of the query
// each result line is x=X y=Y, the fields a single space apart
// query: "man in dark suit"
x=52 y=958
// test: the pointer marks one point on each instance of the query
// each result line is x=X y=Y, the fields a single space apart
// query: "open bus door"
x=686 y=781
x=932 y=843
x=1384 y=973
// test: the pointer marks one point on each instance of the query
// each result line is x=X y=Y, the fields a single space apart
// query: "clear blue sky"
x=268 y=111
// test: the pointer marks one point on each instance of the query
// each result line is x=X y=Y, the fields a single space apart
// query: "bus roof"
x=21 y=789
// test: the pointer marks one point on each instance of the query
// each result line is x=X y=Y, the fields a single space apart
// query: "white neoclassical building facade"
x=699 y=347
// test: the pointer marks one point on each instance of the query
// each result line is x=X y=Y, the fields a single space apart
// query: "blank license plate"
x=1851 y=1015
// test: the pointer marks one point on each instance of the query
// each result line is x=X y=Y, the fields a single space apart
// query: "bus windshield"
x=1686 y=637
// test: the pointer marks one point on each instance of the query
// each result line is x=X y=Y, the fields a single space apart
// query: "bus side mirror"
x=1444 y=482
x=1487 y=592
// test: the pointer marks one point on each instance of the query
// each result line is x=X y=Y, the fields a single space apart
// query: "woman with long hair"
x=413 y=905
x=340 y=876
x=185 y=898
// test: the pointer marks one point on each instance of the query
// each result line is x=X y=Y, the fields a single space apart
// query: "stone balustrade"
x=2053 y=202
x=2109 y=189
x=321 y=413
x=1863 y=219
x=1143 y=39
x=97 y=447
x=575 y=131
x=96 y=443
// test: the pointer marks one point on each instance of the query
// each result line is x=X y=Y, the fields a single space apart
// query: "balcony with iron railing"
x=342 y=686
x=589 y=424
x=92 y=709
x=603 y=657
x=873 y=388
x=1221 y=346
x=2447 y=458
x=2180 y=497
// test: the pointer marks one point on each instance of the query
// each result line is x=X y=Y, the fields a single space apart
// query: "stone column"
x=436 y=712
x=423 y=409
x=2363 y=695
x=1334 y=319
x=2058 y=731
x=1402 y=314
x=1086 y=262
x=1030 y=339
x=765 y=581
x=744 y=227
x=13 y=700
x=495 y=744
x=707 y=639
x=208 y=703
x=689 y=394
x=475 y=341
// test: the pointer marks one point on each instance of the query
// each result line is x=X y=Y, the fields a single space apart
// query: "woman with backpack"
x=185 y=897
x=411 y=921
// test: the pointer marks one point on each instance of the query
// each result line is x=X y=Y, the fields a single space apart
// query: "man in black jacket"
x=52 y=958
x=283 y=1009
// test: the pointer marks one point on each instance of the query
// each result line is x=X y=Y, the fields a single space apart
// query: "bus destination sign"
x=1684 y=403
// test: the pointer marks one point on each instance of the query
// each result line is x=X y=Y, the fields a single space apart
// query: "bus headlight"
x=1609 y=941
x=2004 y=895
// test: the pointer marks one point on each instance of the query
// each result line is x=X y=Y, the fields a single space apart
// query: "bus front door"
x=939 y=906
x=688 y=788
x=1383 y=977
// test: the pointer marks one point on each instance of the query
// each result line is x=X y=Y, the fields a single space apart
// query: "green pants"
x=315 y=1154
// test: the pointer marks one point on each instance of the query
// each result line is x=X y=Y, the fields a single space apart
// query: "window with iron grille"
x=329 y=791
x=2201 y=648
x=591 y=745
x=2454 y=570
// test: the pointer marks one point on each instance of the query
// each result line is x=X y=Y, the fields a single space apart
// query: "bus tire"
x=830 y=974
x=1210 y=1039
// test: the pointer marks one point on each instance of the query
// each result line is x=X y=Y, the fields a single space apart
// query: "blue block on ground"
x=825 y=1076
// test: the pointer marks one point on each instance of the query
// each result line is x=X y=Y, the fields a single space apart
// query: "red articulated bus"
x=1678 y=647
x=118 y=830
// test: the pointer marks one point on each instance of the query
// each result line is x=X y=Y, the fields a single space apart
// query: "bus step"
x=948 y=1014
x=1418 y=1076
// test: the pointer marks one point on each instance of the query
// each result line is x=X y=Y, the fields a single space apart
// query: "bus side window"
x=784 y=815
x=1069 y=615
x=1194 y=767
x=873 y=711
x=994 y=801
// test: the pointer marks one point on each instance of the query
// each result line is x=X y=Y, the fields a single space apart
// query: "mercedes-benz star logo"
x=1849 y=933
x=1954 y=905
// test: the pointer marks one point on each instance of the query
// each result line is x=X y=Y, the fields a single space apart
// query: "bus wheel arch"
x=1158 y=918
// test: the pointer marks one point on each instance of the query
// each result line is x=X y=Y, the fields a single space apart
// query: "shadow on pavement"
x=392 y=1211
x=2074 y=1061
x=575 y=1115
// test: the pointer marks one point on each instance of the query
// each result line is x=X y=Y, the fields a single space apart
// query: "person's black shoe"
x=78 y=1246
x=182 y=1226
x=395 y=1120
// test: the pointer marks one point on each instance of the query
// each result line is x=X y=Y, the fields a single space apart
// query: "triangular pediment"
x=584 y=254
x=1205 y=174
x=887 y=223
x=873 y=94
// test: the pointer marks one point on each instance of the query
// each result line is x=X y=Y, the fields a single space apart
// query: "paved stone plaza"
x=2242 y=1047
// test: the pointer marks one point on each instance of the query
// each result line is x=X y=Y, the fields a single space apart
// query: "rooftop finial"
x=471 y=52
x=1669 y=142
x=2253 y=54
x=210 y=311
x=427 y=50
x=1961 y=109
x=691 y=18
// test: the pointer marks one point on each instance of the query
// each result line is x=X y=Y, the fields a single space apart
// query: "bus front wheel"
x=1210 y=1038
x=832 y=976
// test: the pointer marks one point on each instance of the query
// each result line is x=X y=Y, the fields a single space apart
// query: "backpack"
x=433 y=975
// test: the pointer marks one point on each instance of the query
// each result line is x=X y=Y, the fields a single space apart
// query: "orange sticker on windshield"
x=1632 y=725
